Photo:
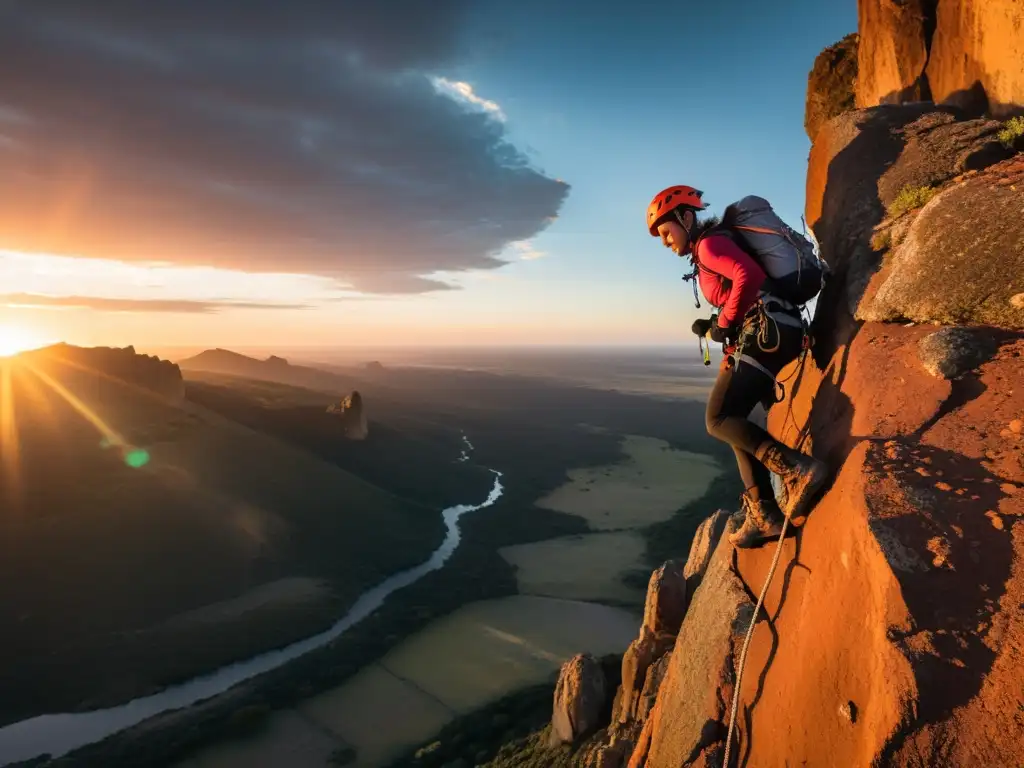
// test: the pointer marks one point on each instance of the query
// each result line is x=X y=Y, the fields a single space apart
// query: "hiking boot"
x=802 y=477
x=763 y=522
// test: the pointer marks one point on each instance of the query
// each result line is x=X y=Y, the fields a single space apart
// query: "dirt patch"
x=587 y=567
x=647 y=487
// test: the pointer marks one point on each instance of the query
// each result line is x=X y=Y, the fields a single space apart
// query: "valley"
x=418 y=425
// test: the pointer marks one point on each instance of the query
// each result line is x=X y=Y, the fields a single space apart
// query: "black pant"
x=737 y=390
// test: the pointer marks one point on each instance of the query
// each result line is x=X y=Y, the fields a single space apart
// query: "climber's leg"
x=733 y=397
x=802 y=475
x=737 y=390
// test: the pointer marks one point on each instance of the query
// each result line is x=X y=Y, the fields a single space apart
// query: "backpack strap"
x=759 y=230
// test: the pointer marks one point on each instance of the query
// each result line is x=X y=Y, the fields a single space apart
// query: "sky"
x=393 y=173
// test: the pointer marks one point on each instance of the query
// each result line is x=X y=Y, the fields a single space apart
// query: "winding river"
x=59 y=734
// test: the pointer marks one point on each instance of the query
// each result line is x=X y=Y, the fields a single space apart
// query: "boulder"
x=830 y=85
x=962 y=261
x=665 y=605
x=705 y=540
x=976 y=55
x=350 y=411
x=950 y=352
x=580 y=697
x=893 y=51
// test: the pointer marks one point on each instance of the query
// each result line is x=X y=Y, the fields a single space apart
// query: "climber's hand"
x=701 y=327
x=723 y=335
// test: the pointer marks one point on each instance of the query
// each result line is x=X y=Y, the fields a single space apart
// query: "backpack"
x=795 y=272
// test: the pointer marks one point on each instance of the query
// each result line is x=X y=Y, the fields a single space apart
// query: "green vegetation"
x=1012 y=132
x=831 y=84
x=910 y=198
x=881 y=241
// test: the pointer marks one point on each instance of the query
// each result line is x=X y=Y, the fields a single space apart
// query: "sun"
x=14 y=339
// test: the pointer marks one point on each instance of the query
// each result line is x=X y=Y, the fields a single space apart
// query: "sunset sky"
x=313 y=173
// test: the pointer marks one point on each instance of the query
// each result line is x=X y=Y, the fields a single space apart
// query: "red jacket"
x=728 y=277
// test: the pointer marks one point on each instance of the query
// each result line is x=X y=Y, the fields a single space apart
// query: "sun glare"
x=14 y=340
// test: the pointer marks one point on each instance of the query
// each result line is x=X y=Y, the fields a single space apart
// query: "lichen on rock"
x=950 y=352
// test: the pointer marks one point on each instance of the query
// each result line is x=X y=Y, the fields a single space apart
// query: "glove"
x=723 y=335
x=701 y=327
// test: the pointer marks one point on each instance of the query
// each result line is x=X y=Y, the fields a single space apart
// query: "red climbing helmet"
x=668 y=200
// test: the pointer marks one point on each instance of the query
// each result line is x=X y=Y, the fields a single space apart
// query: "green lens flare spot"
x=136 y=458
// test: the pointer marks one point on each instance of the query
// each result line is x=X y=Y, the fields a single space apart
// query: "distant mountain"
x=273 y=368
x=123 y=364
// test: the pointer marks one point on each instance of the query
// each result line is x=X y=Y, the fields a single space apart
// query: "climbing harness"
x=759 y=330
x=746 y=642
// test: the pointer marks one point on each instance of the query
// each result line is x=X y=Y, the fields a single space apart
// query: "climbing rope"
x=746 y=642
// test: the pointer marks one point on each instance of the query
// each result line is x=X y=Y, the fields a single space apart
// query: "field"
x=461 y=662
x=647 y=487
x=582 y=567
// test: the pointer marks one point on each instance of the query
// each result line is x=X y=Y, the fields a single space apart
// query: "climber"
x=733 y=281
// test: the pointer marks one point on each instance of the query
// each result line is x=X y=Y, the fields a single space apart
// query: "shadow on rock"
x=932 y=513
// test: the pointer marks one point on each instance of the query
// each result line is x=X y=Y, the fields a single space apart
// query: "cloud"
x=104 y=304
x=527 y=252
x=461 y=91
x=304 y=137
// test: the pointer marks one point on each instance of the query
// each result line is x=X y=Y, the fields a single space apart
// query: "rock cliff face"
x=976 y=55
x=893 y=631
x=893 y=53
x=352 y=415
x=145 y=372
x=964 y=52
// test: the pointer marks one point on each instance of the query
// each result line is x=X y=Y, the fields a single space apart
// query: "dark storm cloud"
x=104 y=304
x=260 y=135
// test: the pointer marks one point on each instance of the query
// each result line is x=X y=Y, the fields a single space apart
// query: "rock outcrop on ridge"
x=352 y=415
x=145 y=373
x=831 y=84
